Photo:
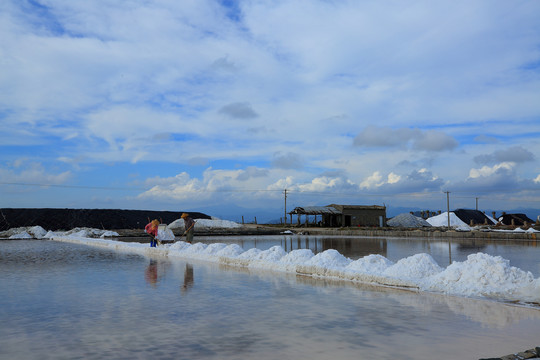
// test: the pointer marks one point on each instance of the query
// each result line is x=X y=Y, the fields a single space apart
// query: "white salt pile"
x=164 y=233
x=481 y=275
x=206 y=224
x=33 y=232
x=37 y=232
x=442 y=220
x=407 y=220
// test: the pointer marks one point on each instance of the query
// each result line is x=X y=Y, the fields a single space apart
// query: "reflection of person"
x=188 y=226
x=152 y=229
x=188 y=278
x=151 y=273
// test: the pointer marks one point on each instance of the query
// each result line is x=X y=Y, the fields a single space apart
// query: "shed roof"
x=476 y=216
x=315 y=210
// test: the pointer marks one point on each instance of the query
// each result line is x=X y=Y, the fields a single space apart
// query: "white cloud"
x=24 y=171
x=393 y=178
x=374 y=180
x=486 y=171
x=368 y=92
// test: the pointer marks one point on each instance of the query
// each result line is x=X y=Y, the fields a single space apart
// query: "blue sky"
x=219 y=106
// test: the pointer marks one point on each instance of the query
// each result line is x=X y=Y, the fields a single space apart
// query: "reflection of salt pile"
x=407 y=220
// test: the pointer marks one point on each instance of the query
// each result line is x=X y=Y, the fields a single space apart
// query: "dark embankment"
x=65 y=219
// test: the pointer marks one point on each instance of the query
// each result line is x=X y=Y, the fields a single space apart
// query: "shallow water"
x=62 y=300
x=522 y=254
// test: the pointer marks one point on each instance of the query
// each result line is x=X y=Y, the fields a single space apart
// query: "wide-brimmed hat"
x=184 y=215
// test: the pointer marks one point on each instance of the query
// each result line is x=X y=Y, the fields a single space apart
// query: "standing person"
x=152 y=229
x=188 y=226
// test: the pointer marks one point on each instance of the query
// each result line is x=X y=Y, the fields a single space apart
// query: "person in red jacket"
x=152 y=229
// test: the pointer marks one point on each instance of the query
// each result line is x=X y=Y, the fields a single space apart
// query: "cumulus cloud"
x=404 y=138
x=415 y=181
x=226 y=185
x=26 y=171
x=327 y=184
x=486 y=171
x=499 y=178
x=515 y=154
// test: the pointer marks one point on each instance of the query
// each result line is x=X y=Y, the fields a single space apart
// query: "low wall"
x=431 y=233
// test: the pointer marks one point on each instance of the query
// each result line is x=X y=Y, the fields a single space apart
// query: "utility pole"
x=476 y=204
x=448 y=207
x=285 y=217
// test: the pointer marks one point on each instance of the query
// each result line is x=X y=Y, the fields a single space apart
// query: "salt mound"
x=164 y=233
x=407 y=220
x=442 y=220
x=414 y=267
x=482 y=274
x=21 y=235
x=206 y=224
x=329 y=259
x=371 y=264
x=37 y=232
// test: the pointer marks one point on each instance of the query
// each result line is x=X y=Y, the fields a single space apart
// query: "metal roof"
x=315 y=210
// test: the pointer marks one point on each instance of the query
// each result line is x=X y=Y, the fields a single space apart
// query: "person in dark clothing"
x=188 y=226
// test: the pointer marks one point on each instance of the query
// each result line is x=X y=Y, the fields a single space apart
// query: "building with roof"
x=336 y=215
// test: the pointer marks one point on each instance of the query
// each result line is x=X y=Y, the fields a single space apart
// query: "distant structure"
x=473 y=217
x=514 y=219
x=336 y=215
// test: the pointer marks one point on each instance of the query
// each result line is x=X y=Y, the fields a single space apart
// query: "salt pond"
x=68 y=300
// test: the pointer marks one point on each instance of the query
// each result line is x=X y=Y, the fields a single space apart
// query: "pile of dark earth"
x=527 y=354
x=66 y=219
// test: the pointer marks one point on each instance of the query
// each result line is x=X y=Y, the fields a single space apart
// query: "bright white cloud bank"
x=195 y=102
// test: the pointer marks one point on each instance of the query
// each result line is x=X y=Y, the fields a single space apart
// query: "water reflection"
x=92 y=303
x=155 y=271
x=151 y=273
x=188 y=279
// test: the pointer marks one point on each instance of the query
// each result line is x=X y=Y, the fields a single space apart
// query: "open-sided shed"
x=335 y=215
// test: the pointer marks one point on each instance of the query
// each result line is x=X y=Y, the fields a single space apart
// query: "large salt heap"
x=407 y=220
